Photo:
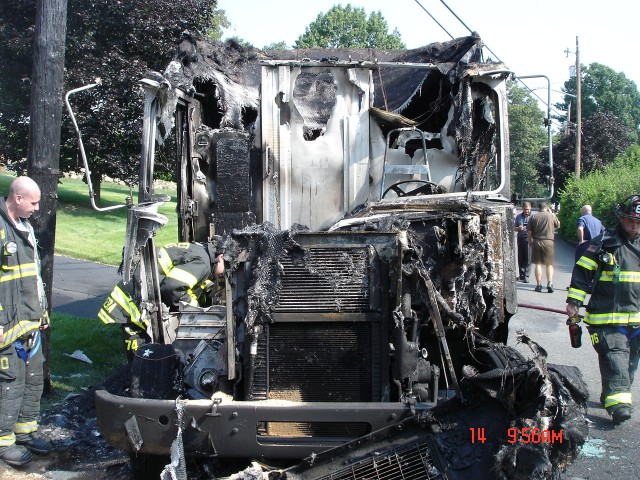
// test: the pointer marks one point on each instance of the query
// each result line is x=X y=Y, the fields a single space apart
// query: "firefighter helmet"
x=630 y=207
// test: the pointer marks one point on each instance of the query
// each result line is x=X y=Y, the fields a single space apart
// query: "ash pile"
x=72 y=428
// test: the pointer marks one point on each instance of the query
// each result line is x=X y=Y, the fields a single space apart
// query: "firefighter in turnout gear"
x=23 y=314
x=185 y=274
x=123 y=307
x=612 y=263
x=186 y=271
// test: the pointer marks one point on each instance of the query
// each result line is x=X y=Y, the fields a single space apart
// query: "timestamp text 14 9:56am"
x=522 y=435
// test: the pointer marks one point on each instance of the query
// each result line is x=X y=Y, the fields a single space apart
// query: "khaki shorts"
x=542 y=252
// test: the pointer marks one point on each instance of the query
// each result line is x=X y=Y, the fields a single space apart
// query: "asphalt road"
x=611 y=452
x=80 y=288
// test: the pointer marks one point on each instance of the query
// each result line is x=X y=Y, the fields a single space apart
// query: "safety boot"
x=35 y=444
x=621 y=414
x=15 y=455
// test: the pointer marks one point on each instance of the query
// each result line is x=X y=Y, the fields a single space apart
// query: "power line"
x=470 y=31
x=532 y=92
x=454 y=14
x=434 y=19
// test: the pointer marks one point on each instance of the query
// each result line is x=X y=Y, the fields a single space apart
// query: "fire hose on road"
x=575 y=330
x=540 y=307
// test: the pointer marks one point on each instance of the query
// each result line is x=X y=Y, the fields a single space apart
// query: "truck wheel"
x=145 y=466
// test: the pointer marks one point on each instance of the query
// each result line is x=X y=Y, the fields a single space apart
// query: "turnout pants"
x=524 y=257
x=21 y=385
x=618 y=350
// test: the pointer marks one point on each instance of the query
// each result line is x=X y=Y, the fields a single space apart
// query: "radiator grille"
x=324 y=362
x=313 y=429
x=260 y=377
x=326 y=280
x=411 y=462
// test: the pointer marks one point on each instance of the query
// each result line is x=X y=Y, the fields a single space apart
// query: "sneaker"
x=15 y=455
x=525 y=279
x=550 y=287
x=538 y=288
x=35 y=444
x=620 y=415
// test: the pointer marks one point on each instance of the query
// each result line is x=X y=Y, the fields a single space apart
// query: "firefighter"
x=122 y=307
x=185 y=272
x=23 y=314
x=612 y=261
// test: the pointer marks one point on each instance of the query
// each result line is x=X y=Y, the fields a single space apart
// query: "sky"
x=530 y=37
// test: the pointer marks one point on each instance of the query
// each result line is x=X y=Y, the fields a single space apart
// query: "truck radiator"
x=325 y=342
x=327 y=280
x=320 y=362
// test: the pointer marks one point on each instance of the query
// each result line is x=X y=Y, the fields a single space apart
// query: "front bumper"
x=229 y=428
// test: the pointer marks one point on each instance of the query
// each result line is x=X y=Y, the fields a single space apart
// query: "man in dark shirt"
x=524 y=257
x=23 y=314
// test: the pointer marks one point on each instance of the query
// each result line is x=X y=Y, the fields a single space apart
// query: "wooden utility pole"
x=43 y=157
x=578 y=110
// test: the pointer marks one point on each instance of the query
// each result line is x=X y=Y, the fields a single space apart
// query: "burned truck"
x=361 y=199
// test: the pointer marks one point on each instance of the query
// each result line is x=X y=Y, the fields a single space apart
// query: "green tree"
x=527 y=137
x=349 y=27
x=602 y=189
x=604 y=137
x=605 y=90
x=219 y=22
x=276 y=46
x=116 y=41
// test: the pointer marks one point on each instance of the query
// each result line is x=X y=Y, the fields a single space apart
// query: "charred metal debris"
x=500 y=393
x=226 y=76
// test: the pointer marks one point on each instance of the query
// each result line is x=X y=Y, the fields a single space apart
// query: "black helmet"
x=629 y=208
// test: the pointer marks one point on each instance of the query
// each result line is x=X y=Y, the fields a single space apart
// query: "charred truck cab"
x=361 y=200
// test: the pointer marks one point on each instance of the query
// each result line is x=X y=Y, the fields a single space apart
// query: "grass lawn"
x=102 y=344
